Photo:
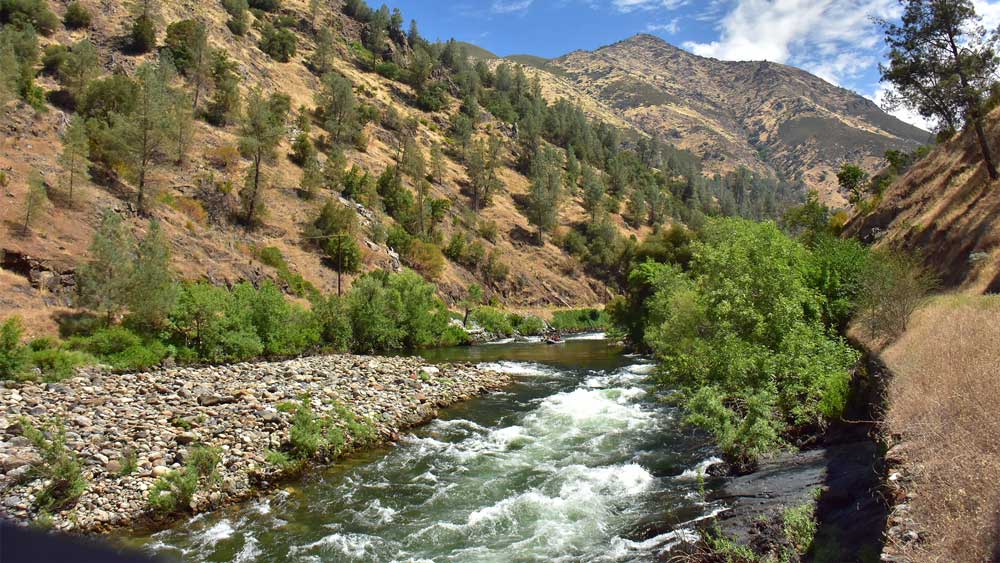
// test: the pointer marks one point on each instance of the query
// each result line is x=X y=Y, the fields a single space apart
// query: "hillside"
x=946 y=210
x=768 y=117
x=38 y=265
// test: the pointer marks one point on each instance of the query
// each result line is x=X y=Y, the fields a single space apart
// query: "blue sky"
x=835 y=39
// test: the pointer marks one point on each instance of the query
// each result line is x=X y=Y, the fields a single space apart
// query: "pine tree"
x=145 y=16
x=103 y=282
x=437 y=163
x=413 y=164
x=337 y=105
x=224 y=106
x=321 y=61
x=260 y=133
x=151 y=291
x=312 y=178
x=144 y=135
x=942 y=63
x=81 y=67
x=181 y=120
x=572 y=170
x=544 y=197
x=34 y=201
x=593 y=193
x=482 y=160
x=75 y=157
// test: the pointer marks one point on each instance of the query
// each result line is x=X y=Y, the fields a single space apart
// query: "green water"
x=576 y=462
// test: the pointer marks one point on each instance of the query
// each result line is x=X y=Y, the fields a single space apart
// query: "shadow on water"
x=852 y=513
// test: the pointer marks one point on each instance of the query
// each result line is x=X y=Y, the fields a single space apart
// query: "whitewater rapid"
x=561 y=469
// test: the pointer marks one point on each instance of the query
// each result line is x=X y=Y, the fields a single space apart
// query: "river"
x=576 y=462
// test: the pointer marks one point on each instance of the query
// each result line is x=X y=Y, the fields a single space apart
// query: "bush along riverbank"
x=745 y=320
x=100 y=452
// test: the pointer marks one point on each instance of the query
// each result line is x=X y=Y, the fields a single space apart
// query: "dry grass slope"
x=943 y=402
x=946 y=209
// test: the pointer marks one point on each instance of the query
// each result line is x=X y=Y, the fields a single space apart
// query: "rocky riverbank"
x=156 y=418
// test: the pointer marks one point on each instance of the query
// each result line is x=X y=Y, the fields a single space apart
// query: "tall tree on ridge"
x=942 y=63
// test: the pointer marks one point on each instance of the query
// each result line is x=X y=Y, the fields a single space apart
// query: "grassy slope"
x=942 y=404
x=540 y=276
x=946 y=209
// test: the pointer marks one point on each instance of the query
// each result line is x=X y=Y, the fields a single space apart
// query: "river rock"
x=233 y=409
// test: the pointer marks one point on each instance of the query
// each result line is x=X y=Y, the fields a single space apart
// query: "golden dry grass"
x=944 y=400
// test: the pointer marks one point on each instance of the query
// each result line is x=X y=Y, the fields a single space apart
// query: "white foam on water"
x=641 y=369
x=621 y=547
x=517 y=368
x=378 y=514
x=698 y=470
x=589 y=336
x=249 y=552
x=223 y=530
x=351 y=545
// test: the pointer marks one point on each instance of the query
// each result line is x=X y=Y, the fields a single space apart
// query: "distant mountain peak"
x=772 y=118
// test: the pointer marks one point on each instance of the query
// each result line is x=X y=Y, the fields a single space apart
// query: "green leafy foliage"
x=59 y=467
x=13 y=356
x=580 y=319
x=77 y=16
x=746 y=334
x=395 y=312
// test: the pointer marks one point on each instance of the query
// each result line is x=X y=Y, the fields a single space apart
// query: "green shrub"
x=142 y=36
x=455 y=336
x=432 y=97
x=54 y=58
x=742 y=337
x=395 y=312
x=335 y=322
x=266 y=5
x=800 y=526
x=305 y=437
x=174 y=491
x=59 y=467
x=77 y=16
x=57 y=364
x=14 y=357
x=493 y=321
x=204 y=460
x=388 y=69
x=122 y=349
x=580 y=319
x=29 y=13
x=529 y=326
x=426 y=258
x=279 y=43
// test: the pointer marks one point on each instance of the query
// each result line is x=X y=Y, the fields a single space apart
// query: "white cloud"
x=633 y=5
x=833 y=38
x=669 y=28
x=508 y=6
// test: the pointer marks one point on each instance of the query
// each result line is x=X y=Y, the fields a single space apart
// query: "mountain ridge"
x=769 y=117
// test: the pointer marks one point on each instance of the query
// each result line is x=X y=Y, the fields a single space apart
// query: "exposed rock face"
x=158 y=416
x=769 y=117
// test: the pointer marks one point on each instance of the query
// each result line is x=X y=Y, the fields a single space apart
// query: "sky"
x=834 y=39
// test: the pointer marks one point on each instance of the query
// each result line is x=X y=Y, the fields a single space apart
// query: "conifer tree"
x=151 y=291
x=942 y=63
x=224 y=106
x=145 y=15
x=544 y=197
x=81 y=67
x=75 y=156
x=34 y=202
x=260 y=132
x=144 y=135
x=337 y=104
x=103 y=282
x=437 y=163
